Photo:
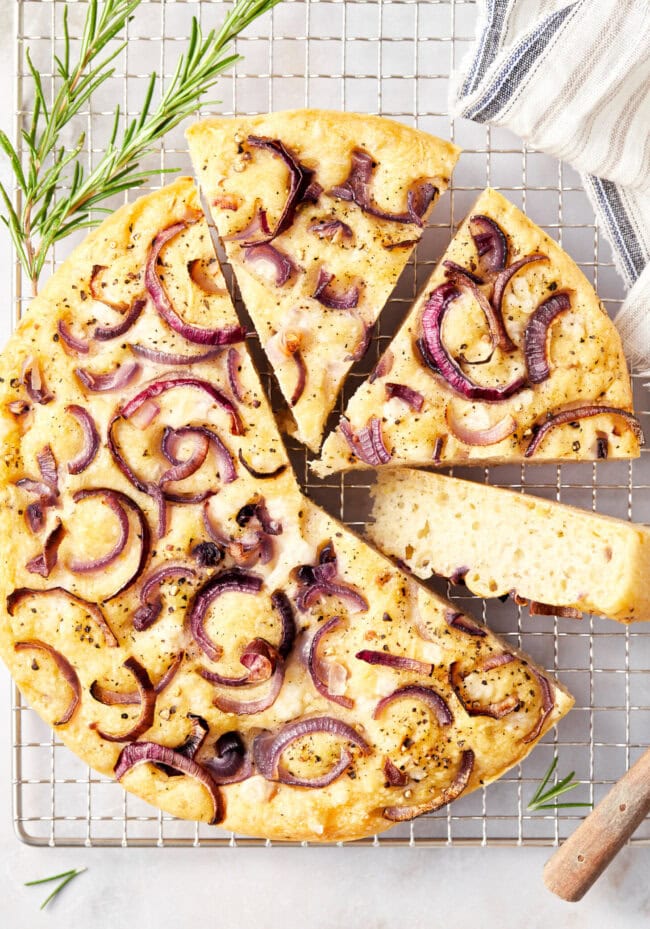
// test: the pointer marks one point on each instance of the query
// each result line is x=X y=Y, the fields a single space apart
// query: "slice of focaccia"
x=318 y=212
x=507 y=356
x=172 y=604
x=563 y=560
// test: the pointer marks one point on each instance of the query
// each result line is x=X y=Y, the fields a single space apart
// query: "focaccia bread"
x=564 y=560
x=506 y=356
x=188 y=622
x=318 y=212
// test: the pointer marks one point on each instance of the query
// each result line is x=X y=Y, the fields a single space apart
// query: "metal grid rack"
x=393 y=57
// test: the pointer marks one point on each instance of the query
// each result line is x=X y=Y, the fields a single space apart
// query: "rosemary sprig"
x=543 y=799
x=57 y=195
x=65 y=877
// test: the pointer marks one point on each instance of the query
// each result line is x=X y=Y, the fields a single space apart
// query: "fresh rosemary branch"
x=65 y=877
x=57 y=195
x=543 y=799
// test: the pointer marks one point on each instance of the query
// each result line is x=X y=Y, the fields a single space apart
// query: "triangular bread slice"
x=507 y=356
x=393 y=719
x=563 y=560
x=319 y=212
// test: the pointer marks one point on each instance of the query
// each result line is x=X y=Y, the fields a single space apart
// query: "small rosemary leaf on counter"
x=65 y=877
x=544 y=799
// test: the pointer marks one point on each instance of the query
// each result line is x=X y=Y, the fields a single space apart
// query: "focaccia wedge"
x=319 y=212
x=178 y=611
x=507 y=356
x=561 y=560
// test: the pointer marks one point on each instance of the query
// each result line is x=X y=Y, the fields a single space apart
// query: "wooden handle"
x=578 y=864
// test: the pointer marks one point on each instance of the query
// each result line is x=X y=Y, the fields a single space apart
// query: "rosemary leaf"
x=65 y=877
x=544 y=799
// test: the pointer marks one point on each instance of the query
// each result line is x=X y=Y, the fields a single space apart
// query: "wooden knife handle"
x=578 y=863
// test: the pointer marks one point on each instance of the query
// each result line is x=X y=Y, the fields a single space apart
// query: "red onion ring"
x=234 y=367
x=73 y=342
x=547 y=609
x=559 y=418
x=397 y=662
x=327 y=296
x=224 y=582
x=491 y=242
x=40 y=489
x=282 y=604
x=400 y=814
x=92 y=609
x=169 y=358
x=35 y=517
x=268 y=748
x=32 y=380
x=182 y=468
x=499 y=338
x=548 y=703
x=453 y=269
x=44 y=563
x=316 y=666
x=490 y=435
x=493 y=710
x=98 y=564
x=367 y=444
x=186 y=468
x=259 y=657
x=90 y=446
x=48 y=467
x=356 y=188
x=198 y=272
x=138 y=753
x=463 y=623
x=322 y=580
x=329 y=229
x=156 y=388
x=149 y=611
x=427 y=695
x=189 y=746
x=362 y=347
x=258 y=223
x=302 y=377
x=119 y=377
x=282 y=265
x=261 y=475
x=411 y=397
x=164 y=307
x=231 y=763
x=147 y=704
x=105 y=333
x=438 y=359
x=132 y=697
x=249 y=708
x=503 y=278
x=66 y=670
x=536 y=335
x=300 y=179
x=394 y=777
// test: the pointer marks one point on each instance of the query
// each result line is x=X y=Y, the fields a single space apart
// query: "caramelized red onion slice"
x=489 y=435
x=301 y=378
x=499 y=338
x=322 y=579
x=493 y=710
x=98 y=295
x=356 y=188
x=234 y=367
x=266 y=254
x=132 y=697
x=48 y=467
x=490 y=241
x=425 y=694
x=269 y=747
x=300 y=179
x=200 y=275
x=537 y=608
x=438 y=359
x=35 y=517
x=144 y=752
x=90 y=445
x=119 y=377
x=231 y=580
x=463 y=623
x=250 y=707
x=397 y=662
x=191 y=745
x=364 y=342
x=66 y=669
x=174 y=359
x=452 y=269
x=23 y=593
x=106 y=333
x=150 y=606
x=163 y=305
x=99 y=564
x=318 y=668
x=282 y=605
x=536 y=335
x=44 y=563
x=227 y=470
x=182 y=467
x=399 y=814
x=161 y=386
x=368 y=443
x=76 y=344
x=259 y=657
x=32 y=379
x=504 y=277
x=330 y=229
x=147 y=704
x=561 y=417
x=231 y=763
x=548 y=703
x=257 y=473
x=394 y=777
x=249 y=235
x=325 y=293
x=411 y=397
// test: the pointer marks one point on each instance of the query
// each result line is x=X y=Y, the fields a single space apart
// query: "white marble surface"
x=314 y=888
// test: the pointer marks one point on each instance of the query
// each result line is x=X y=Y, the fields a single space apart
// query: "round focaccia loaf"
x=163 y=583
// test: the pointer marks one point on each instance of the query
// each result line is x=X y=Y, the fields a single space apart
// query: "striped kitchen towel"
x=573 y=79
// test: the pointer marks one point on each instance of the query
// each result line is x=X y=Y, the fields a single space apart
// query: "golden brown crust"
x=586 y=360
x=238 y=180
x=353 y=805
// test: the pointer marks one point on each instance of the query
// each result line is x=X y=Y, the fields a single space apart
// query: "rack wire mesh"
x=392 y=57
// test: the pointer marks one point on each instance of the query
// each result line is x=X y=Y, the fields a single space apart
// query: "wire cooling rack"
x=391 y=57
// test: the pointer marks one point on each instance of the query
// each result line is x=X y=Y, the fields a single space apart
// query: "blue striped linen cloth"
x=573 y=80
